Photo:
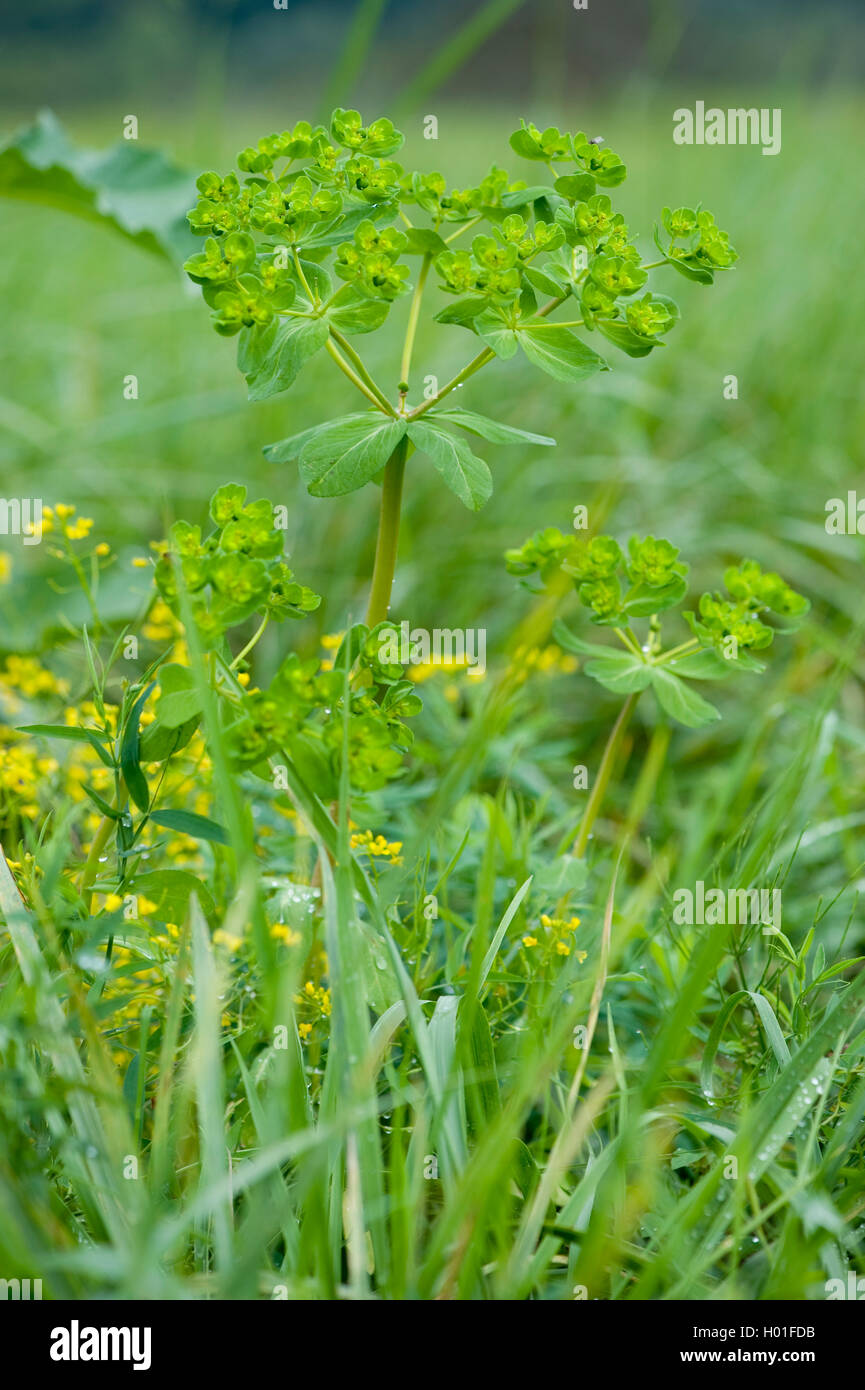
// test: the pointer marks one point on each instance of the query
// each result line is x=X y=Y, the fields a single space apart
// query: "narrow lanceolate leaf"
x=348 y=452
x=71 y=734
x=136 y=192
x=559 y=352
x=492 y=430
x=680 y=702
x=281 y=354
x=130 y=766
x=465 y=474
x=190 y=823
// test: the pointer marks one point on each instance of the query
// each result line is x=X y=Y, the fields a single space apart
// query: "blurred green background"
x=652 y=445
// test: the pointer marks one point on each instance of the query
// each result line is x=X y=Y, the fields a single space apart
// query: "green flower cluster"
x=240 y=299
x=706 y=248
x=615 y=586
x=489 y=270
x=302 y=712
x=738 y=618
x=552 y=146
x=542 y=554
x=650 y=578
x=294 y=211
x=369 y=262
x=430 y=192
x=643 y=582
x=344 y=182
x=377 y=140
x=590 y=256
x=317 y=202
x=236 y=571
x=595 y=567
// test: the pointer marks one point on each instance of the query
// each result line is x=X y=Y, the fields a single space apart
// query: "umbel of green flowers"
x=643 y=582
x=238 y=572
x=321 y=231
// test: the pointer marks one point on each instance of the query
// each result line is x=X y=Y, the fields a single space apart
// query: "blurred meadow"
x=653 y=446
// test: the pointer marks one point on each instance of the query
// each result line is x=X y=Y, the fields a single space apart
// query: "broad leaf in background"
x=135 y=191
x=180 y=698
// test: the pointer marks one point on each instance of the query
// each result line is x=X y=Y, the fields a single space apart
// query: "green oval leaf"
x=680 y=702
x=465 y=474
x=559 y=352
x=345 y=454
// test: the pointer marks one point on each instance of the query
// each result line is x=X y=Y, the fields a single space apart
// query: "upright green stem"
x=414 y=314
x=388 y=535
x=391 y=493
x=596 y=797
x=648 y=778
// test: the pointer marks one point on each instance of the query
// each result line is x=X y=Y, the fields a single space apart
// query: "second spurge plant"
x=308 y=247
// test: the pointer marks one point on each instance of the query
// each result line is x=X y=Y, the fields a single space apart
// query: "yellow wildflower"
x=280 y=932
x=376 y=846
x=228 y=939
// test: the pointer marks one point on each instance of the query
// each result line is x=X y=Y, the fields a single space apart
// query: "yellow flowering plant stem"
x=411 y=330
